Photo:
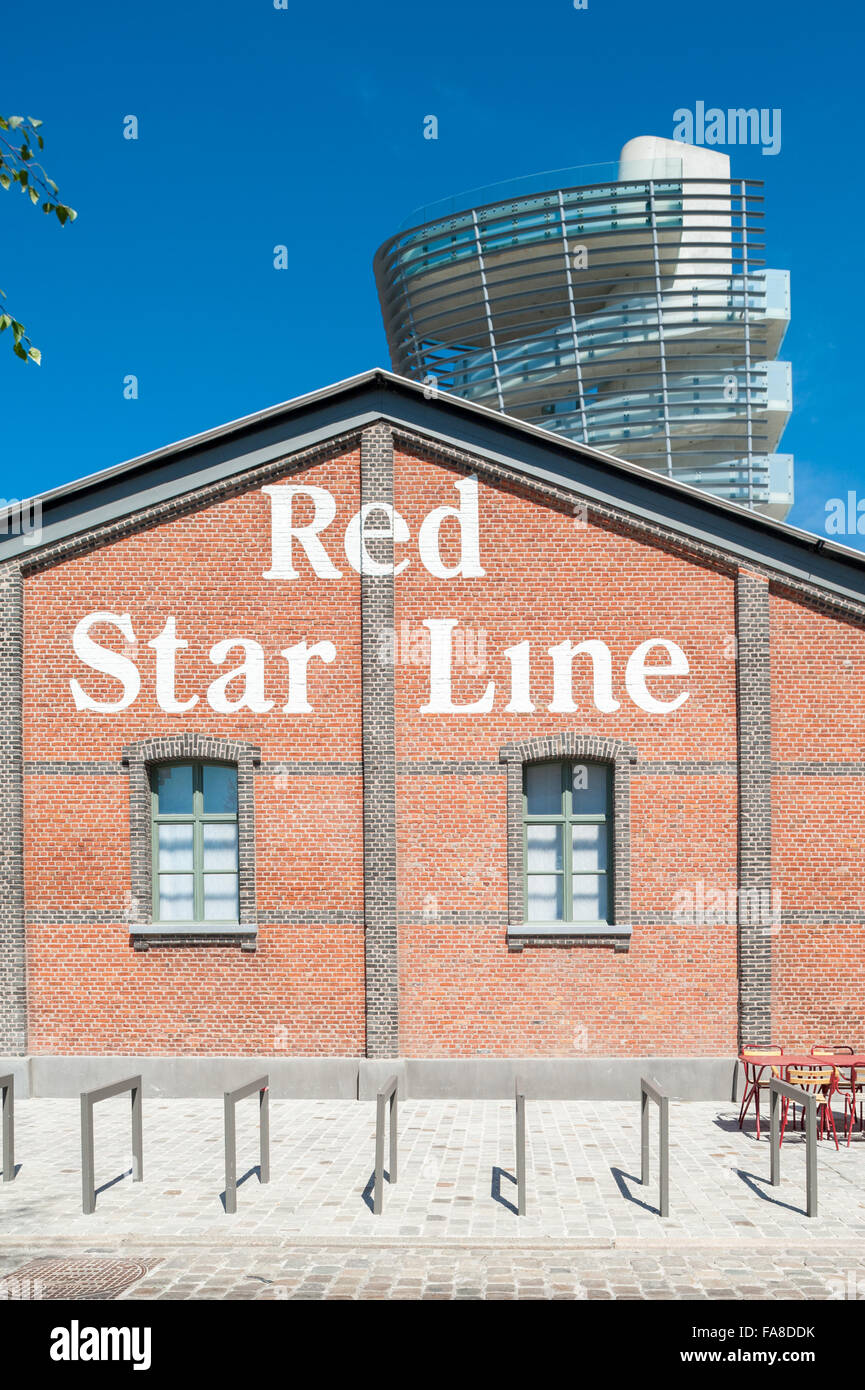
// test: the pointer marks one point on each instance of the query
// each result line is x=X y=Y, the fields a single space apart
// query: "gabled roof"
x=218 y=454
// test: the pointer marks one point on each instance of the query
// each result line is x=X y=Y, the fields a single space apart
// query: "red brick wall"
x=818 y=679
x=462 y=993
x=301 y=992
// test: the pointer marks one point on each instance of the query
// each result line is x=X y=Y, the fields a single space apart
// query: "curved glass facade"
x=634 y=314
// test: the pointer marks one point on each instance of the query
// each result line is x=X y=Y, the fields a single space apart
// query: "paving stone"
x=442 y=1233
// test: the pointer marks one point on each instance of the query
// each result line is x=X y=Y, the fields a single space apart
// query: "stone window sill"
x=615 y=934
x=193 y=929
x=233 y=934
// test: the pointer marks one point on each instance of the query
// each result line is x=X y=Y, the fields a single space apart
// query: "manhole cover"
x=78 y=1279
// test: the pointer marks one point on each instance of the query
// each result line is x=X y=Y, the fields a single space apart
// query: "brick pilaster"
x=755 y=806
x=379 y=758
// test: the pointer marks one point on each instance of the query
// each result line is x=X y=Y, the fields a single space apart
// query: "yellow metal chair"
x=821 y=1082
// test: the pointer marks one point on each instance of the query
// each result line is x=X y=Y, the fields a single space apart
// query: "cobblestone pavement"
x=428 y=1271
x=449 y=1228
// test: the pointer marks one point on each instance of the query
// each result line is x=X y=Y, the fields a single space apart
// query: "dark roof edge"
x=674 y=505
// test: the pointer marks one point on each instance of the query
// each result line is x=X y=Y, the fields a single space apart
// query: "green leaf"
x=62 y=214
x=35 y=356
x=19 y=351
x=5 y=320
x=5 y=181
x=34 y=196
x=15 y=122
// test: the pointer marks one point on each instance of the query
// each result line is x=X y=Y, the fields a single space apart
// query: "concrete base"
x=358 y=1078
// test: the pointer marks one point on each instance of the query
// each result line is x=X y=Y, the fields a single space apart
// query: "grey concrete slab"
x=568 y=1078
x=328 y=1078
x=19 y=1067
x=373 y=1072
x=349 y=1078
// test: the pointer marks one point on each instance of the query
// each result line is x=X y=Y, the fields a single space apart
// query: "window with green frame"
x=195 y=843
x=567 y=841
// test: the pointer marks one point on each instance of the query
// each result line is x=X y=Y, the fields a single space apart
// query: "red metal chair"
x=821 y=1082
x=843 y=1083
x=754 y=1082
x=853 y=1097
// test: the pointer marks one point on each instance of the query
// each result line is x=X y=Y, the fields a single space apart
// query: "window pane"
x=220 y=846
x=590 y=898
x=589 y=847
x=590 y=789
x=220 y=789
x=544 y=848
x=175 y=898
x=220 y=897
x=174 y=790
x=175 y=847
x=545 y=898
x=544 y=789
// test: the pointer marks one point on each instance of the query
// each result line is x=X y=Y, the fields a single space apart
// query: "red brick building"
x=376 y=726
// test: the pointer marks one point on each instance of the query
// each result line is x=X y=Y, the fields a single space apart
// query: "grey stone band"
x=379 y=761
x=309 y=767
x=271 y=916
x=683 y=767
x=818 y=769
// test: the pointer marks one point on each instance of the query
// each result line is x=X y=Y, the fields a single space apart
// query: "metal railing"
x=7 y=1087
x=88 y=1100
x=520 y=1115
x=262 y=1086
x=386 y=1098
x=808 y=1100
x=650 y=1090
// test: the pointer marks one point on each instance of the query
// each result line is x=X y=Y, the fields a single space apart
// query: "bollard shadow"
x=620 y=1175
x=730 y=1125
x=496 y=1188
x=250 y=1173
x=369 y=1191
x=753 y=1180
x=112 y=1182
x=16 y=1169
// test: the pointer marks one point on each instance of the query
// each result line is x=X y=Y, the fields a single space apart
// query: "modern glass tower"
x=625 y=305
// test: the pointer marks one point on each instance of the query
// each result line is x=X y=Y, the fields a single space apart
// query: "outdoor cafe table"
x=804 y=1059
x=760 y=1060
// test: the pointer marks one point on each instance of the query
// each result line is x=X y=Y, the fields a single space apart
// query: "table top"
x=805 y=1059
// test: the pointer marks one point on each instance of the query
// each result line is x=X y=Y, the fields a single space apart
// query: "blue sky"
x=304 y=127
